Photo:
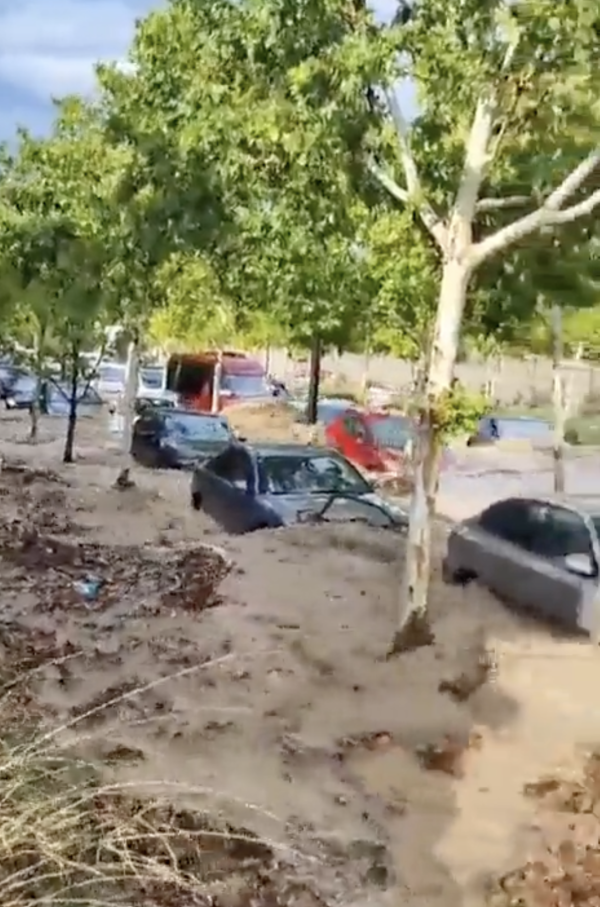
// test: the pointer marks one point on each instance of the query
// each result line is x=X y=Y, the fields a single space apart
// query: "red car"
x=375 y=441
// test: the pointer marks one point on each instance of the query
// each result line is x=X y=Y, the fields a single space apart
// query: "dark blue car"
x=245 y=488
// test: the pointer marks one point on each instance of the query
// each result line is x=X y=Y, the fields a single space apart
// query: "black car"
x=175 y=438
x=245 y=488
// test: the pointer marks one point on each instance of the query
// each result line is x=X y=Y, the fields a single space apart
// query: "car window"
x=354 y=427
x=557 y=531
x=508 y=520
x=234 y=466
x=393 y=432
x=310 y=473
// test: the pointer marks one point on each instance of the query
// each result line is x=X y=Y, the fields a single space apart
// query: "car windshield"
x=246 y=385
x=310 y=473
x=196 y=427
x=115 y=374
x=393 y=432
x=152 y=377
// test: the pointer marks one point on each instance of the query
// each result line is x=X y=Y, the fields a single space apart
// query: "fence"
x=514 y=380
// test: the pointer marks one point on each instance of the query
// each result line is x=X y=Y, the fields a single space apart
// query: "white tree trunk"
x=559 y=402
x=215 y=402
x=127 y=407
x=428 y=449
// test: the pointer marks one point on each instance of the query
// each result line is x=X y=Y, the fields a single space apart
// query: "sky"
x=48 y=48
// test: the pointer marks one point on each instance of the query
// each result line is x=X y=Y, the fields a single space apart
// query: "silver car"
x=541 y=555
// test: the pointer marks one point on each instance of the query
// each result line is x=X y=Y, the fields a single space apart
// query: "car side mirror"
x=580 y=565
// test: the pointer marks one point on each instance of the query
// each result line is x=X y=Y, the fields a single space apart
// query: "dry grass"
x=68 y=838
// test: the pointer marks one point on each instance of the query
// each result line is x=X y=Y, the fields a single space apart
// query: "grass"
x=69 y=839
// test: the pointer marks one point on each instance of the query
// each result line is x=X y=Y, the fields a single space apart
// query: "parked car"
x=493 y=428
x=375 y=441
x=20 y=392
x=54 y=397
x=541 y=555
x=245 y=488
x=152 y=379
x=174 y=438
x=111 y=380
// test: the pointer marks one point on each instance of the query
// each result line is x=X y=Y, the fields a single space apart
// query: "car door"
x=496 y=549
x=353 y=434
x=226 y=490
x=550 y=588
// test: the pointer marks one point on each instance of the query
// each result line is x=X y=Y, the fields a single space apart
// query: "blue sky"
x=49 y=48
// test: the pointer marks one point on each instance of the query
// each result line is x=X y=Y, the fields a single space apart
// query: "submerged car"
x=250 y=487
x=375 y=441
x=173 y=438
x=540 y=555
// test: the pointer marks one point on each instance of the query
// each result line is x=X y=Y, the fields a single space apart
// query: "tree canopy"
x=251 y=175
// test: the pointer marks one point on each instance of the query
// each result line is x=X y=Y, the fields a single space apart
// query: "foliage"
x=193 y=311
x=457 y=413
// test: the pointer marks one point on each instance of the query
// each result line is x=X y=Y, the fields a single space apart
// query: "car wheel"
x=196 y=500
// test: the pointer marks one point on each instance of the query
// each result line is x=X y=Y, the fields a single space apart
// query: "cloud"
x=51 y=48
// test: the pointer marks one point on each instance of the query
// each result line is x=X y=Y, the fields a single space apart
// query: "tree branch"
x=432 y=221
x=477 y=152
x=388 y=183
x=501 y=204
x=550 y=214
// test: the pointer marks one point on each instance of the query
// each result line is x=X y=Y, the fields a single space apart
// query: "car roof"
x=271 y=449
x=584 y=502
x=183 y=411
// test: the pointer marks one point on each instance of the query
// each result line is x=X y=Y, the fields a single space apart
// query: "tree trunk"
x=72 y=422
x=215 y=395
x=314 y=381
x=413 y=627
x=127 y=404
x=38 y=366
x=559 y=401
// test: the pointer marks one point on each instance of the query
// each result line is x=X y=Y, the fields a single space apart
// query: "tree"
x=55 y=200
x=262 y=174
x=191 y=310
x=508 y=96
